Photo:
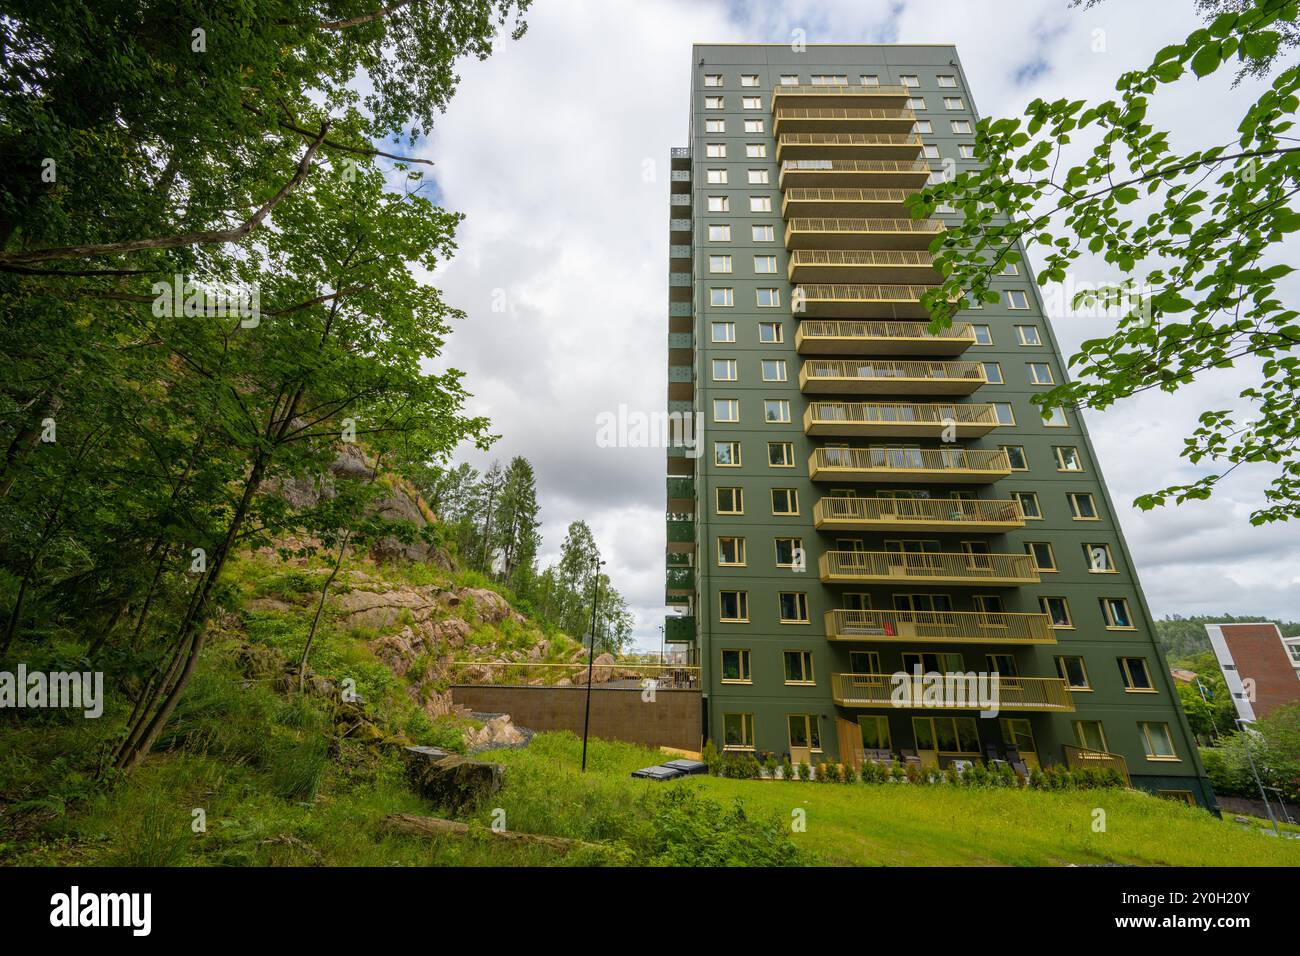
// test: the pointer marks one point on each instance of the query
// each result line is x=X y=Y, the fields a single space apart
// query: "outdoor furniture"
x=658 y=773
x=1017 y=762
x=687 y=766
x=910 y=758
x=991 y=752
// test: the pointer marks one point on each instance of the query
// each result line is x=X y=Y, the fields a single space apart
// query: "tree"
x=1209 y=243
x=517 y=523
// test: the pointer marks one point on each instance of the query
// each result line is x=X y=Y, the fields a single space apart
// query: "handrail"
x=806 y=224
x=970 y=627
x=902 y=412
x=911 y=459
x=1013 y=693
x=862 y=292
x=956 y=510
x=913 y=565
x=830 y=328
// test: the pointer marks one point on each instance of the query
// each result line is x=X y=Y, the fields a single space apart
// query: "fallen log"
x=436 y=826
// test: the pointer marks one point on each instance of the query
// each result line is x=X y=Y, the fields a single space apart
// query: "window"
x=799 y=667
x=760 y=203
x=1028 y=335
x=776 y=411
x=794 y=610
x=1016 y=455
x=1100 y=560
x=930 y=151
x=1016 y=299
x=1028 y=504
x=736 y=666
x=773 y=370
x=804 y=732
x=733 y=605
x=916 y=103
x=1004 y=414
x=1067 y=458
x=1082 y=506
x=719 y=233
x=909 y=80
x=753 y=126
x=1115 y=611
x=726 y=454
x=987 y=603
x=1073 y=672
x=1010 y=269
x=785 y=501
x=993 y=373
x=731 y=551
x=762 y=233
x=757 y=177
x=726 y=410
x=869 y=79
x=730 y=501
x=764 y=264
x=1156 y=741
x=767 y=298
x=721 y=298
x=756 y=151
x=719 y=204
x=1090 y=735
x=723 y=331
x=751 y=102
x=712 y=79
x=713 y=103
x=931 y=663
x=789 y=552
x=780 y=454
x=953 y=103
x=1137 y=679
x=719 y=263
x=923 y=126
x=789 y=79
x=737 y=731
x=965 y=150
x=1040 y=373
x=983 y=334
x=829 y=79
x=715 y=151
x=715 y=126
x=716 y=177
x=1058 y=609
x=922 y=602
x=855 y=601
x=1055 y=418
x=875 y=732
x=1043 y=555
x=749 y=79
x=960 y=126
x=769 y=333
x=946 y=81
x=724 y=370
x=1002 y=664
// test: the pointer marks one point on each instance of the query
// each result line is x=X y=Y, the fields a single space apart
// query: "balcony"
x=833 y=146
x=678 y=464
x=800 y=119
x=895 y=567
x=680 y=287
x=1081 y=758
x=679 y=230
x=680 y=582
x=884 y=377
x=681 y=533
x=881 y=338
x=681 y=495
x=861 y=233
x=680 y=181
x=899 y=173
x=845 y=96
x=826 y=300
x=864 y=203
x=680 y=157
x=982 y=515
x=681 y=383
x=939 y=627
x=927 y=465
x=909 y=420
x=679 y=629
x=680 y=256
x=1034 y=694
x=861 y=265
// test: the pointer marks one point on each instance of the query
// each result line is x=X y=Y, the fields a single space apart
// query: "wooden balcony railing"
x=1012 y=693
x=920 y=512
x=867 y=369
x=887 y=413
x=940 y=627
x=939 y=460
x=1081 y=758
x=802 y=224
x=950 y=567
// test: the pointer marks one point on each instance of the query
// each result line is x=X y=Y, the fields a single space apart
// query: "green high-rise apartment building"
x=867 y=498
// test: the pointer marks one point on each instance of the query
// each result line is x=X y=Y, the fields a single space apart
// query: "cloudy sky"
x=556 y=151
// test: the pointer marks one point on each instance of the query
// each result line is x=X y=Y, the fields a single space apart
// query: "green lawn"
x=890 y=824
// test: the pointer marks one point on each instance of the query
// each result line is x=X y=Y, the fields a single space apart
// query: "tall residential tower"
x=870 y=498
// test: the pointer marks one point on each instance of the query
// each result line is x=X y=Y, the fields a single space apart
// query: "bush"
x=711 y=758
x=689 y=830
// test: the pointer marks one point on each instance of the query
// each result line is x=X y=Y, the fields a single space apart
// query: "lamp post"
x=661 y=645
x=591 y=658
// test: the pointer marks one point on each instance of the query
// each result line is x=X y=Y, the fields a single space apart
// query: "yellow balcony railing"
x=936 y=567
x=917 y=514
x=908 y=464
x=902 y=418
x=861 y=300
x=1081 y=758
x=803 y=119
x=858 y=233
x=814 y=336
x=849 y=145
x=1048 y=694
x=882 y=376
x=843 y=94
x=939 y=627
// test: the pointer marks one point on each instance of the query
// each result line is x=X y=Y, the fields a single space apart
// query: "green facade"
x=696 y=580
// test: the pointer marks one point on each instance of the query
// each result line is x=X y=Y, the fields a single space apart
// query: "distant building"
x=1260 y=666
x=1182 y=675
